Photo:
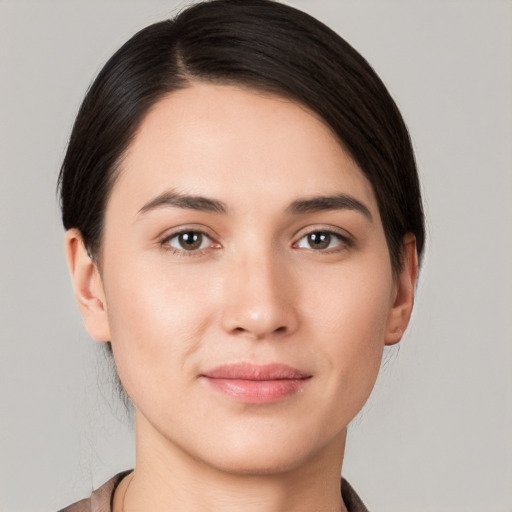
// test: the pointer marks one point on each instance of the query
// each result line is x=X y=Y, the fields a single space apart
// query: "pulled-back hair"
x=263 y=45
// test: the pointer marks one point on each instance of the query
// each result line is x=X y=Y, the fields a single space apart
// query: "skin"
x=257 y=290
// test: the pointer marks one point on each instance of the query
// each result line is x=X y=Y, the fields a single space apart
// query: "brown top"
x=101 y=498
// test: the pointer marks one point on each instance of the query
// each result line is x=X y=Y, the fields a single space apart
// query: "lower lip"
x=257 y=391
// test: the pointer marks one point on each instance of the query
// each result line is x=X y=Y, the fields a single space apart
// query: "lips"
x=258 y=384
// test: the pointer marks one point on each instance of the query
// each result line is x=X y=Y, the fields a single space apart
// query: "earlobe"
x=88 y=287
x=401 y=309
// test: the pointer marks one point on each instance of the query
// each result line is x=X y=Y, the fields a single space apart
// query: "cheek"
x=352 y=301
x=154 y=317
x=350 y=318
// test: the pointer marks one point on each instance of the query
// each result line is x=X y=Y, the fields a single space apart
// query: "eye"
x=321 y=240
x=188 y=241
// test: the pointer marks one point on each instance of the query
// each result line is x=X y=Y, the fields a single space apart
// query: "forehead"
x=233 y=143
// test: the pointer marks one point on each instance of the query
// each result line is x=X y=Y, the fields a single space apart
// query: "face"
x=246 y=284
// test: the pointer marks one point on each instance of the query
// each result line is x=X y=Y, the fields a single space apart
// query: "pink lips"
x=258 y=384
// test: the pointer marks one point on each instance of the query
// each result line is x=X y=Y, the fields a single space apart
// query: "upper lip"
x=249 y=371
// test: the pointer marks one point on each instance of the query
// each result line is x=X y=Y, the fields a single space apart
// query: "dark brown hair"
x=260 y=44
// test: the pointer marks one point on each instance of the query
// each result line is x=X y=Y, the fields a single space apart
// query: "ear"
x=88 y=287
x=401 y=309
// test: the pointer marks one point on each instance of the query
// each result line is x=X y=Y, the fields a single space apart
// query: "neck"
x=167 y=478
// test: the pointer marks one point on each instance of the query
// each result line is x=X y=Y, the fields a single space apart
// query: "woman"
x=244 y=225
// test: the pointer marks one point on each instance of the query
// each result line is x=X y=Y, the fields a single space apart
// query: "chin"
x=267 y=454
x=259 y=462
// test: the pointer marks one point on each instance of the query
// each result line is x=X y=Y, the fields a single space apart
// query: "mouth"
x=257 y=384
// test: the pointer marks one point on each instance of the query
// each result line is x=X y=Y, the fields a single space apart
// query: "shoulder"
x=352 y=501
x=100 y=499
x=79 y=506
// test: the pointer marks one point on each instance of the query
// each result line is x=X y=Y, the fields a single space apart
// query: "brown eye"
x=189 y=241
x=320 y=240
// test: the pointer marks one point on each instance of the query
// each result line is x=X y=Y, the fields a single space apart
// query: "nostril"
x=279 y=330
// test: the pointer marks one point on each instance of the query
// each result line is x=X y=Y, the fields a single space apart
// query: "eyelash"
x=165 y=243
x=343 y=242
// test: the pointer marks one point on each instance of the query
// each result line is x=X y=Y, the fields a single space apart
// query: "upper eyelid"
x=342 y=233
x=345 y=240
x=341 y=238
x=178 y=233
x=171 y=233
x=164 y=243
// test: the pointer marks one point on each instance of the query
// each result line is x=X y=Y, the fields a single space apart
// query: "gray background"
x=437 y=432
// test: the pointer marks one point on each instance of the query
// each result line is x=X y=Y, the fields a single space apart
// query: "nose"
x=260 y=299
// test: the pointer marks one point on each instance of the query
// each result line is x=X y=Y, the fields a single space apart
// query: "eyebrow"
x=300 y=206
x=186 y=201
x=323 y=203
